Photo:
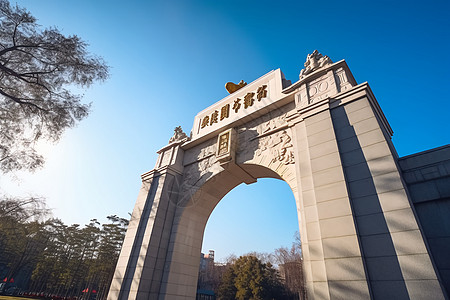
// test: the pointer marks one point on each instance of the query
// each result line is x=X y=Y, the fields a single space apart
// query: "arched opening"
x=258 y=219
x=190 y=223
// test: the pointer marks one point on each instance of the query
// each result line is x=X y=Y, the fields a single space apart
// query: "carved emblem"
x=178 y=135
x=232 y=87
x=314 y=61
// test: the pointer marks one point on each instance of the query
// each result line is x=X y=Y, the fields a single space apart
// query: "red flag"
x=6 y=279
x=84 y=291
x=12 y=280
x=94 y=291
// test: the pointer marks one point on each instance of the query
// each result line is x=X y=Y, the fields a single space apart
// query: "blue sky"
x=171 y=59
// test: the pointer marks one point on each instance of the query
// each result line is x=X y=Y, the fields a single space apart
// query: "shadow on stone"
x=382 y=267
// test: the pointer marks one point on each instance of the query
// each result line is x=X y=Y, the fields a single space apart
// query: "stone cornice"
x=160 y=171
x=171 y=145
x=355 y=93
x=318 y=73
x=358 y=92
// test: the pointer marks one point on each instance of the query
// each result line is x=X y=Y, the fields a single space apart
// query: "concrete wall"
x=427 y=175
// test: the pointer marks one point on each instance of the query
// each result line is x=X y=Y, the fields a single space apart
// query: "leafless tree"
x=290 y=264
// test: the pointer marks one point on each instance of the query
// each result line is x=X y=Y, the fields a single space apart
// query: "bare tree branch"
x=37 y=68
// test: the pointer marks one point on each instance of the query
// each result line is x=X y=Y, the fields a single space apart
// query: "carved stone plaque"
x=226 y=145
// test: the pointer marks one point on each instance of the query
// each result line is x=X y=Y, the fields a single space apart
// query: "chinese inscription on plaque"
x=237 y=104
x=224 y=140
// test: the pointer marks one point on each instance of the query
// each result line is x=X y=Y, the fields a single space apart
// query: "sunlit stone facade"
x=326 y=136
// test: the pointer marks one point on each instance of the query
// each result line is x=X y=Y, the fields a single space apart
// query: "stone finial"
x=314 y=61
x=232 y=87
x=178 y=135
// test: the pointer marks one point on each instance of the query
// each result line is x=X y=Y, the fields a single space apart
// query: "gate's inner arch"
x=328 y=139
x=259 y=217
x=190 y=223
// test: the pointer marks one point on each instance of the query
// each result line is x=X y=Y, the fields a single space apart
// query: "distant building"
x=206 y=260
x=205 y=284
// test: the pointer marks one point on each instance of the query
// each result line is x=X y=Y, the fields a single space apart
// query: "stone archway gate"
x=326 y=136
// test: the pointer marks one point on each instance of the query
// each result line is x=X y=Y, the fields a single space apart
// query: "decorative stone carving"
x=314 y=61
x=206 y=163
x=194 y=176
x=232 y=87
x=202 y=160
x=342 y=81
x=279 y=146
x=272 y=124
x=200 y=152
x=261 y=134
x=282 y=149
x=206 y=151
x=321 y=88
x=178 y=135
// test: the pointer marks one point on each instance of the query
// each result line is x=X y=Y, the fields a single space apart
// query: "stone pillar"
x=396 y=258
x=333 y=263
x=361 y=238
x=142 y=259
